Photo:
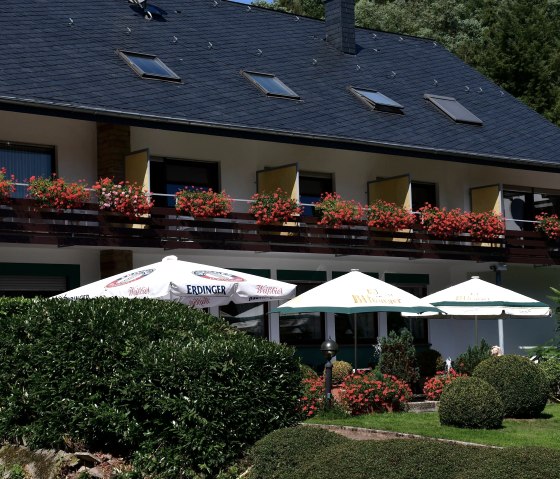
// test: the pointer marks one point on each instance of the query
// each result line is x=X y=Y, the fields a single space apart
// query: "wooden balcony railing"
x=22 y=222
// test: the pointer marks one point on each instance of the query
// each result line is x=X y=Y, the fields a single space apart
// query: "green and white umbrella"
x=477 y=299
x=352 y=293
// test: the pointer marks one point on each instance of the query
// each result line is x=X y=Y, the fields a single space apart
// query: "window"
x=423 y=193
x=149 y=66
x=270 y=85
x=24 y=161
x=311 y=186
x=302 y=328
x=250 y=318
x=366 y=327
x=169 y=175
x=377 y=100
x=417 y=326
x=453 y=109
x=31 y=279
x=522 y=205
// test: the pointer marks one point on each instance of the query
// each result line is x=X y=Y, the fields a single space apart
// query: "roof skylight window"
x=149 y=66
x=453 y=109
x=377 y=100
x=270 y=85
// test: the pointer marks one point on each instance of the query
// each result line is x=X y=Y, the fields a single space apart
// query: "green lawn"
x=543 y=431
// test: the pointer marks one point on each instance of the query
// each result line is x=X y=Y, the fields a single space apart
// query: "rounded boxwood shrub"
x=176 y=390
x=308 y=372
x=340 y=370
x=522 y=386
x=551 y=369
x=471 y=402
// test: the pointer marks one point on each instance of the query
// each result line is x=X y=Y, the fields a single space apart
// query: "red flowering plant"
x=202 y=203
x=7 y=186
x=335 y=211
x=269 y=207
x=123 y=197
x=55 y=193
x=389 y=216
x=549 y=225
x=433 y=387
x=313 y=398
x=364 y=393
x=485 y=226
x=442 y=223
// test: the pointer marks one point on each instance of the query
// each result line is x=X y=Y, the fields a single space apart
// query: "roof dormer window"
x=270 y=85
x=453 y=109
x=149 y=66
x=377 y=100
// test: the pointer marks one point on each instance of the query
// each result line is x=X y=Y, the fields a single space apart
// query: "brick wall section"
x=114 y=261
x=113 y=144
x=339 y=20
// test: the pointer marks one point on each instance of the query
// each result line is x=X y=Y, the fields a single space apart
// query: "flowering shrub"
x=271 y=207
x=336 y=212
x=549 y=225
x=124 y=197
x=7 y=186
x=485 y=226
x=364 y=393
x=389 y=216
x=203 y=203
x=433 y=387
x=55 y=193
x=313 y=397
x=442 y=223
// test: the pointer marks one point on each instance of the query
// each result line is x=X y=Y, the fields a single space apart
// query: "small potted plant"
x=273 y=207
x=56 y=193
x=123 y=197
x=202 y=203
x=485 y=226
x=389 y=216
x=336 y=212
x=442 y=223
x=549 y=225
x=7 y=186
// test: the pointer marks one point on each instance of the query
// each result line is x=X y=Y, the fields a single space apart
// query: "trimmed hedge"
x=178 y=390
x=313 y=453
x=340 y=369
x=471 y=403
x=551 y=369
x=522 y=386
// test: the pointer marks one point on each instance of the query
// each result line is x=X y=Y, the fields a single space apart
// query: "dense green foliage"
x=428 y=361
x=472 y=403
x=514 y=42
x=308 y=453
x=551 y=370
x=398 y=356
x=521 y=384
x=340 y=369
x=308 y=372
x=466 y=362
x=178 y=390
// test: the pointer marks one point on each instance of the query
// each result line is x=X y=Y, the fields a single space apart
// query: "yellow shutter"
x=394 y=190
x=137 y=168
x=284 y=177
x=487 y=198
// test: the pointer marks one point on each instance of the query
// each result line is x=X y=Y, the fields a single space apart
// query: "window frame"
x=290 y=95
x=127 y=55
x=394 y=107
x=472 y=120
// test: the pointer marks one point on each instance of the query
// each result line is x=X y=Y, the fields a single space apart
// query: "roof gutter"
x=27 y=105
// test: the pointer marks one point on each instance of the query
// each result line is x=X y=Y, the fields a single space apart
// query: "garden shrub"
x=364 y=393
x=466 y=362
x=340 y=370
x=313 y=453
x=551 y=369
x=471 y=402
x=434 y=386
x=428 y=361
x=308 y=372
x=177 y=390
x=522 y=385
x=398 y=356
x=313 y=397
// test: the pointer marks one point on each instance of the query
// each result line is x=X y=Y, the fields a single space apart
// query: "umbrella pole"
x=501 y=334
x=355 y=342
x=476 y=329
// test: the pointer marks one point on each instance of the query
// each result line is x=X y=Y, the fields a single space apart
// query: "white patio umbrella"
x=197 y=285
x=478 y=299
x=352 y=293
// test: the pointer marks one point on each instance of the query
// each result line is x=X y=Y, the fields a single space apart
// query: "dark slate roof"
x=68 y=65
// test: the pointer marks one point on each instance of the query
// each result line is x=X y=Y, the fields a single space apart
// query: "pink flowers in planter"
x=56 y=193
x=7 y=186
x=123 y=197
x=389 y=216
x=336 y=212
x=270 y=208
x=549 y=225
x=202 y=203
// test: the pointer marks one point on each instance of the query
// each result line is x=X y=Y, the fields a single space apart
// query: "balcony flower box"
x=56 y=193
x=549 y=225
x=128 y=199
x=201 y=203
x=7 y=186
x=269 y=208
x=389 y=216
x=442 y=223
x=336 y=212
x=485 y=226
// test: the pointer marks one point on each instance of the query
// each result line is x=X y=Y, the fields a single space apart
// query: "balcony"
x=22 y=223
